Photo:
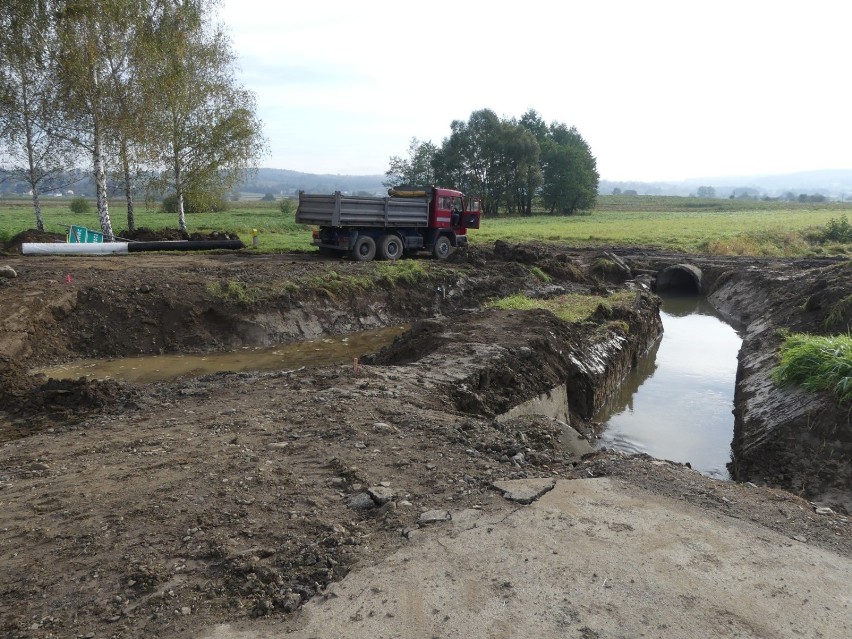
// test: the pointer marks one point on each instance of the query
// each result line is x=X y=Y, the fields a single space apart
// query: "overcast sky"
x=660 y=89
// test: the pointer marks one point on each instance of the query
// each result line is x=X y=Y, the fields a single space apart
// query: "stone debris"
x=434 y=516
x=380 y=494
x=7 y=271
x=361 y=501
x=382 y=427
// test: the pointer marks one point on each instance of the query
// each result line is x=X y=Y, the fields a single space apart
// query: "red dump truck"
x=408 y=220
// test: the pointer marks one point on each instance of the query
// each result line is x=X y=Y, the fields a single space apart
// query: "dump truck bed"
x=346 y=210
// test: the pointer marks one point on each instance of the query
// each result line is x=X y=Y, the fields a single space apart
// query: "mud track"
x=165 y=509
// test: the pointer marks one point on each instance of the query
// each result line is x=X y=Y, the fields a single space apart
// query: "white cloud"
x=660 y=89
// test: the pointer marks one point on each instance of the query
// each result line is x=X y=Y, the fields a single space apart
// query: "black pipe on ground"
x=185 y=245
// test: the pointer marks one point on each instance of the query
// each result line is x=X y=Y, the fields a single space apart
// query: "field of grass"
x=277 y=231
x=693 y=225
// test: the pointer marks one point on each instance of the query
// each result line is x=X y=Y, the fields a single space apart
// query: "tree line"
x=145 y=89
x=508 y=163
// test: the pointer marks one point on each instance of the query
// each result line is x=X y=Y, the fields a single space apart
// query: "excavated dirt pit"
x=131 y=510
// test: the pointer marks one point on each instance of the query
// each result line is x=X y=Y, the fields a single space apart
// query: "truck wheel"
x=443 y=247
x=364 y=249
x=390 y=247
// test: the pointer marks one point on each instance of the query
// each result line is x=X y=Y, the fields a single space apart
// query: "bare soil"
x=166 y=509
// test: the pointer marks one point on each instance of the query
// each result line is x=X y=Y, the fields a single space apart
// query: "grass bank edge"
x=817 y=363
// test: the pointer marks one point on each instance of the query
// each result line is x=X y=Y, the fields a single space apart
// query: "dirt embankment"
x=789 y=437
x=177 y=506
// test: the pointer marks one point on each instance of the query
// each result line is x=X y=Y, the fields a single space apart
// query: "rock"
x=291 y=602
x=7 y=271
x=185 y=611
x=524 y=491
x=382 y=427
x=518 y=459
x=824 y=511
x=361 y=501
x=380 y=494
x=434 y=516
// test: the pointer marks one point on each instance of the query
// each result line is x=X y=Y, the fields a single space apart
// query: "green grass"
x=770 y=232
x=571 y=307
x=277 y=232
x=817 y=363
x=691 y=225
x=329 y=283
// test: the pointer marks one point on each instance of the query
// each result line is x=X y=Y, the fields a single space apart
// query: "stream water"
x=676 y=404
x=316 y=352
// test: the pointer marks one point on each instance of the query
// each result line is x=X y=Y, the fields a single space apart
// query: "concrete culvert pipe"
x=680 y=278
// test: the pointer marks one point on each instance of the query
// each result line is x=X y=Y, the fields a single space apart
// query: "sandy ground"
x=591 y=558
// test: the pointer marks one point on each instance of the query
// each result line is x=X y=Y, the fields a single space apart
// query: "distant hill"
x=276 y=181
x=835 y=184
x=284 y=182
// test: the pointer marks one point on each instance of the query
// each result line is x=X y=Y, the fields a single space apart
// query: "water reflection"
x=317 y=352
x=677 y=402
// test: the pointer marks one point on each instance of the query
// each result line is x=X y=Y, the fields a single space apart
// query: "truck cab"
x=451 y=211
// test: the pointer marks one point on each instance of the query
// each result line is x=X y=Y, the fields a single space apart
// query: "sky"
x=659 y=89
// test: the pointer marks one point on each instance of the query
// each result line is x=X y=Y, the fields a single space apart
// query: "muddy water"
x=677 y=402
x=318 y=352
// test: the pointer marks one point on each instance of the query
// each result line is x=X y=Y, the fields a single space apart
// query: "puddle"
x=676 y=404
x=318 y=352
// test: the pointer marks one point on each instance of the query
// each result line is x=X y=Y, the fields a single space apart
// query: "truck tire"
x=390 y=247
x=364 y=249
x=442 y=248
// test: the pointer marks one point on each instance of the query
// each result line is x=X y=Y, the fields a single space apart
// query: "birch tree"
x=87 y=31
x=28 y=99
x=209 y=131
x=131 y=129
